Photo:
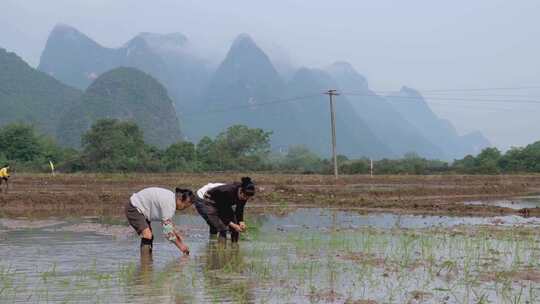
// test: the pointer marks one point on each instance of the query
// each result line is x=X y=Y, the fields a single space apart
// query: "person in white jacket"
x=157 y=204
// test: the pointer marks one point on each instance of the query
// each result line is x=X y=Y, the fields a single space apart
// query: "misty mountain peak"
x=342 y=67
x=65 y=36
x=137 y=43
x=164 y=42
x=407 y=91
x=67 y=32
x=243 y=41
x=303 y=72
x=70 y=56
x=63 y=28
x=347 y=77
x=314 y=76
x=245 y=60
x=246 y=71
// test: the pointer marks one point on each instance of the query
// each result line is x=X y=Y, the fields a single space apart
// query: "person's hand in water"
x=236 y=227
x=184 y=259
x=180 y=243
x=184 y=248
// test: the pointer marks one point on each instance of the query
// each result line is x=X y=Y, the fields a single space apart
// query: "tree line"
x=118 y=146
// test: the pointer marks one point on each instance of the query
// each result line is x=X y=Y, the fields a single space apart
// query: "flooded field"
x=311 y=239
x=296 y=255
x=529 y=202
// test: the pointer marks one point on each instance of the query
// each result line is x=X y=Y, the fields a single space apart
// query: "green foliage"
x=301 y=159
x=208 y=154
x=24 y=149
x=112 y=145
x=522 y=159
x=238 y=148
x=180 y=156
x=19 y=142
x=70 y=161
x=465 y=165
x=491 y=161
x=356 y=166
x=487 y=162
x=411 y=163
x=3 y=159
x=242 y=141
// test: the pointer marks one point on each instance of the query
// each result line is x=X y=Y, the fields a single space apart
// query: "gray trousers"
x=214 y=219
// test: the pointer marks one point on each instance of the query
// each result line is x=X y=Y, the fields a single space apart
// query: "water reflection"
x=139 y=278
x=223 y=267
x=144 y=274
x=147 y=281
x=217 y=274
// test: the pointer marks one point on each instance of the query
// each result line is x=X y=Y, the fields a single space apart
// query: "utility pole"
x=331 y=94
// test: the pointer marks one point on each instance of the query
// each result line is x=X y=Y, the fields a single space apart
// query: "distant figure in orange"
x=4 y=176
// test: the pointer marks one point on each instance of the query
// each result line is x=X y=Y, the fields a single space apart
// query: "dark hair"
x=184 y=193
x=247 y=186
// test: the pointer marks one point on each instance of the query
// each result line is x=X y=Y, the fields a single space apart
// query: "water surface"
x=308 y=255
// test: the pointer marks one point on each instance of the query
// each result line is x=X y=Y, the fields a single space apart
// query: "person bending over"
x=157 y=204
x=215 y=203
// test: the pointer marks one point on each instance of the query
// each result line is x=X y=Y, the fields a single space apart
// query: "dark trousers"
x=215 y=220
x=4 y=179
x=139 y=223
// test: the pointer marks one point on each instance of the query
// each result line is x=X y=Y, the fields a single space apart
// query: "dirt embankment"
x=38 y=195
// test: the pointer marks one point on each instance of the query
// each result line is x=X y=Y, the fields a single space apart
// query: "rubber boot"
x=146 y=246
x=222 y=237
x=235 y=236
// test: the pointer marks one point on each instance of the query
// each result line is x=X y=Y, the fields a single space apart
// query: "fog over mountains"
x=245 y=88
x=77 y=60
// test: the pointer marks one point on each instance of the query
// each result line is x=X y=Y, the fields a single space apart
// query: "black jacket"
x=224 y=197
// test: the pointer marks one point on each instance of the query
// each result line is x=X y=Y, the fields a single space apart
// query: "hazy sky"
x=421 y=44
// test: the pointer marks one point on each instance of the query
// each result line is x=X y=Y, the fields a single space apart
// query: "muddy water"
x=309 y=255
x=514 y=203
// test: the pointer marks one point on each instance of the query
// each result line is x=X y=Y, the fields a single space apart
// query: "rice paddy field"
x=310 y=239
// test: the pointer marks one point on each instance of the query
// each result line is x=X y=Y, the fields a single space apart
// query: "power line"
x=463 y=90
x=413 y=98
x=477 y=105
x=474 y=95
x=430 y=98
x=467 y=106
x=485 y=89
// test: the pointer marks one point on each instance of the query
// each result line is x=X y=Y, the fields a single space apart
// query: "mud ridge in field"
x=40 y=195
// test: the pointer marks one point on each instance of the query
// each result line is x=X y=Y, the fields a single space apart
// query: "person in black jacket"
x=215 y=204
